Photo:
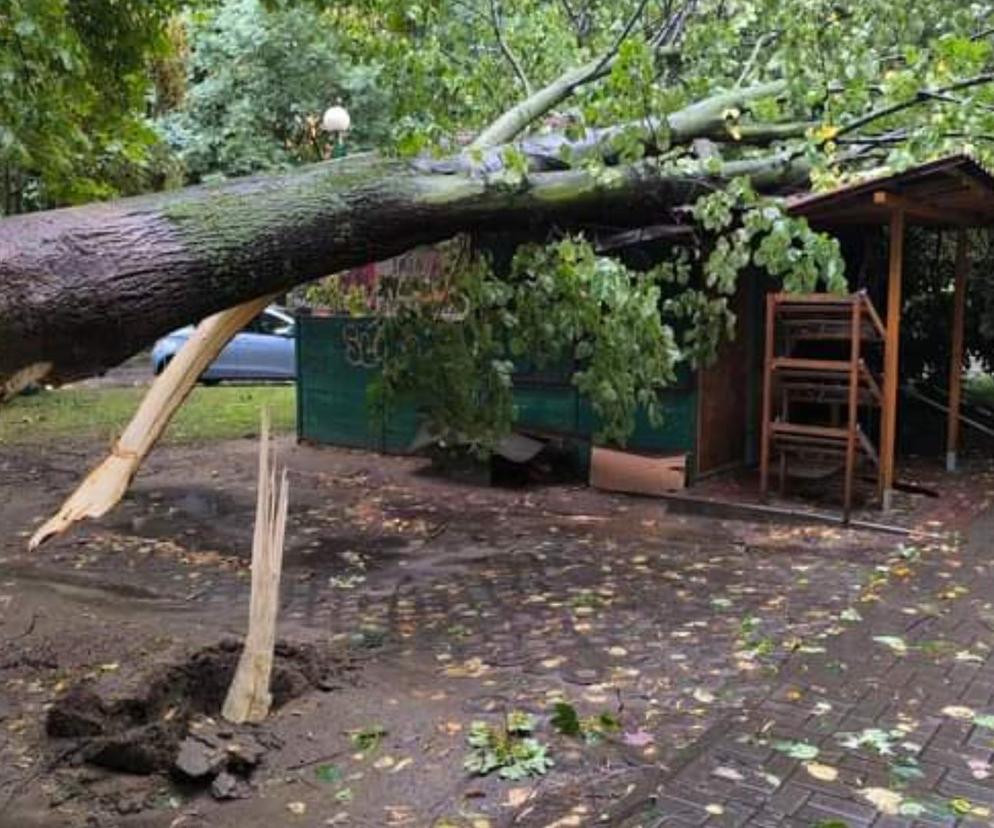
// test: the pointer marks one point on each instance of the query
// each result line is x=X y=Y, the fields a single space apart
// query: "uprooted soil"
x=136 y=723
x=411 y=607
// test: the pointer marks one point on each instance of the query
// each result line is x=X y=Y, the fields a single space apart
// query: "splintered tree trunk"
x=103 y=488
x=249 y=697
x=82 y=289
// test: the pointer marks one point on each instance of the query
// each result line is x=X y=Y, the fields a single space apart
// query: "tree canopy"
x=74 y=81
x=256 y=85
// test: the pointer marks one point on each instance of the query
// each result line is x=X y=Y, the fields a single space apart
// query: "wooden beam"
x=852 y=423
x=764 y=450
x=956 y=356
x=888 y=413
x=925 y=211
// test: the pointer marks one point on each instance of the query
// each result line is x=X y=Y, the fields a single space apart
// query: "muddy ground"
x=431 y=603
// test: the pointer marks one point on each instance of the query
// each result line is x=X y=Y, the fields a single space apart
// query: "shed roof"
x=955 y=191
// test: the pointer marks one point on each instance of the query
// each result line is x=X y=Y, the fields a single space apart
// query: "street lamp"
x=337 y=121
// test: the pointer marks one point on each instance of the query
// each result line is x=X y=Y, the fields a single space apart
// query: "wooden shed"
x=953 y=193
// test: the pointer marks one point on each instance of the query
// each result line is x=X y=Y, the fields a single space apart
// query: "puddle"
x=79 y=586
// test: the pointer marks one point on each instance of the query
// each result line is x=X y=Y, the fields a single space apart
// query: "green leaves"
x=368 y=738
x=565 y=719
x=258 y=82
x=73 y=88
x=796 y=750
x=557 y=307
x=757 y=231
x=328 y=773
x=510 y=750
x=592 y=729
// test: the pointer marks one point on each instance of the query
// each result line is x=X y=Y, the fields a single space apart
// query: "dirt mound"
x=135 y=723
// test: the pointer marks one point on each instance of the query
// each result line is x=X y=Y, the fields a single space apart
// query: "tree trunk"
x=86 y=287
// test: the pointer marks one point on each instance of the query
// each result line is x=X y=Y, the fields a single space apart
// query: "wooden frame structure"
x=793 y=320
x=954 y=192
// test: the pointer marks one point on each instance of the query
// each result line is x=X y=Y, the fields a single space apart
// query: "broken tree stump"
x=249 y=696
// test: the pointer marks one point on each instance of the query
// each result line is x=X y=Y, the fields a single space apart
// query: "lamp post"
x=337 y=121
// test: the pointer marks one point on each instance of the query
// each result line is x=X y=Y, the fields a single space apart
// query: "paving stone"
x=887 y=821
x=877 y=690
x=676 y=810
x=789 y=798
x=957 y=784
x=813 y=815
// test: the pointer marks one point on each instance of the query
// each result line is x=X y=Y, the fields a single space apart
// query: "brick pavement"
x=912 y=681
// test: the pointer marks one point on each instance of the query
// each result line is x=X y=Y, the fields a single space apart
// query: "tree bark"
x=84 y=288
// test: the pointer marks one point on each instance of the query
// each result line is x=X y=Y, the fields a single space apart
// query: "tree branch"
x=924 y=96
x=674 y=26
x=703 y=119
x=515 y=120
x=612 y=53
x=761 y=41
x=576 y=21
x=506 y=49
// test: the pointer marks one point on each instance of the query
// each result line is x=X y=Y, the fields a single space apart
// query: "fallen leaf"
x=730 y=774
x=911 y=808
x=328 y=773
x=824 y=773
x=960 y=806
x=979 y=769
x=955 y=711
x=796 y=750
x=639 y=738
x=894 y=642
x=883 y=799
x=516 y=797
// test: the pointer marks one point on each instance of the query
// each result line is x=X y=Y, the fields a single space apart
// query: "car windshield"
x=268 y=323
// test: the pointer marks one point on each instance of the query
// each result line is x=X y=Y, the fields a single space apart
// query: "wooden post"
x=852 y=423
x=956 y=357
x=764 y=450
x=784 y=417
x=249 y=697
x=888 y=414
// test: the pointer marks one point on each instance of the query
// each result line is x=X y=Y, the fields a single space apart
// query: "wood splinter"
x=249 y=697
x=104 y=486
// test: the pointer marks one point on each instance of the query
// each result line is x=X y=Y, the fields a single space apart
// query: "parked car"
x=264 y=350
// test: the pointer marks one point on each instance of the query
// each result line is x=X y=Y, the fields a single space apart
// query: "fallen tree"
x=82 y=289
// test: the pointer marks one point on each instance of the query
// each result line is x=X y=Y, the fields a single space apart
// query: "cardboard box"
x=621 y=471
